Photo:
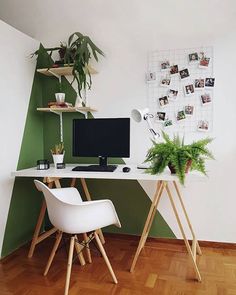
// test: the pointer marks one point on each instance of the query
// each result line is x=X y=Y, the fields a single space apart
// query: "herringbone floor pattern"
x=161 y=269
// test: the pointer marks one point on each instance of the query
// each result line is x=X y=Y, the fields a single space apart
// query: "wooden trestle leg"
x=192 y=251
x=37 y=238
x=149 y=220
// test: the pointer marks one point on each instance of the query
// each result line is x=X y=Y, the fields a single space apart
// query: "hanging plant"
x=77 y=52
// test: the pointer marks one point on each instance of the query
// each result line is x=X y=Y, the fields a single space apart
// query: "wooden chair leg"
x=79 y=249
x=69 y=265
x=102 y=250
x=54 y=249
x=87 y=248
x=101 y=236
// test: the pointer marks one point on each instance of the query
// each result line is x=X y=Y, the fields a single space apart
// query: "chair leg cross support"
x=194 y=249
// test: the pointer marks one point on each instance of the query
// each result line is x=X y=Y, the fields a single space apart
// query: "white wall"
x=126 y=31
x=16 y=72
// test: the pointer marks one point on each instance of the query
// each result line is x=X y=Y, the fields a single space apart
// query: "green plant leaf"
x=176 y=153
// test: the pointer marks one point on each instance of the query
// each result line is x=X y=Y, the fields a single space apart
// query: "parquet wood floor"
x=161 y=269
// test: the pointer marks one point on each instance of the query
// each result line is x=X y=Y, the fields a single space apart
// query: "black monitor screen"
x=101 y=137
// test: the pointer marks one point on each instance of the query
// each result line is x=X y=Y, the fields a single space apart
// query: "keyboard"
x=95 y=168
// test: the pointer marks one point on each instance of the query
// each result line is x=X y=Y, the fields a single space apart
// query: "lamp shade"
x=139 y=115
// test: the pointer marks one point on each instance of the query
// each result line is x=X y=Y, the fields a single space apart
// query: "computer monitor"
x=109 y=137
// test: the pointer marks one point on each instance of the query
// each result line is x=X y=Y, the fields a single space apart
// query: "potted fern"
x=58 y=153
x=180 y=158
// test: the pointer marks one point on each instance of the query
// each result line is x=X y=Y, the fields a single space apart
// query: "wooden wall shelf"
x=67 y=110
x=62 y=71
x=60 y=111
x=58 y=73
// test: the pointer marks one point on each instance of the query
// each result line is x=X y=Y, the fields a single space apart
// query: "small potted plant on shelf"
x=58 y=153
x=180 y=158
x=60 y=96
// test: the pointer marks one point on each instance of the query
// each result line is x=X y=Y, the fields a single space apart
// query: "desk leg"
x=160 y=187
x=88 y=197
x=191 y=252
x=36 y=237
x=37 y=229
x=199 y=252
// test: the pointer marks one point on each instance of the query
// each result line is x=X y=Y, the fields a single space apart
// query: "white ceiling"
x=51 y=20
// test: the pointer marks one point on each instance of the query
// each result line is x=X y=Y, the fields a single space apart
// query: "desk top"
x=134 y=174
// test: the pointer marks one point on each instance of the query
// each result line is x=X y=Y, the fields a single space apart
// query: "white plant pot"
x=60 y=97
x=57 y=159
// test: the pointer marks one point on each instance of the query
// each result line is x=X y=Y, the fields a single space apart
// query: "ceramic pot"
x=60 y=97
x=57 y=159
x=173 y=170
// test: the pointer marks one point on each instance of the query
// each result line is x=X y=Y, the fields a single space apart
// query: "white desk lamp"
x=140 y=115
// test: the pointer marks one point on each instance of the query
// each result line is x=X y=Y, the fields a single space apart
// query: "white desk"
x=163 y=181
x=134 y=174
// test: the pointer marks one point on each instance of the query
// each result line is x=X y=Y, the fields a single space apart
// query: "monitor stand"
x=102 y=167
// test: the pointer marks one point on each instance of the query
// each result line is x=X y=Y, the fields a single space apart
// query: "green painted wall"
x=42 y=133
x=25 y=200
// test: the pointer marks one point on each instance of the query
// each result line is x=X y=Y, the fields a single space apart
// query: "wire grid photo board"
x=180 y=86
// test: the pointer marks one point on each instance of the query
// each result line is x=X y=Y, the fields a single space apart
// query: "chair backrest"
x=74 y=215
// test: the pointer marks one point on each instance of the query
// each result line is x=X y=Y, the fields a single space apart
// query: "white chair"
x=69 y=214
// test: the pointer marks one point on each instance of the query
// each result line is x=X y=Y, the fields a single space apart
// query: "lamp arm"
x=155 y=135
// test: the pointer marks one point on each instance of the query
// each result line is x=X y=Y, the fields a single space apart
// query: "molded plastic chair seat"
x=68 y=213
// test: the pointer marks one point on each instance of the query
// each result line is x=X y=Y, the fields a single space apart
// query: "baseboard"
x=171 y=241
x=209 y=244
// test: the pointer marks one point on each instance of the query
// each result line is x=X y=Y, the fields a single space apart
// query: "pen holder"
x=58 y=159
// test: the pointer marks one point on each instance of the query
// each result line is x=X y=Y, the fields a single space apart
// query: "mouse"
x=126 y=169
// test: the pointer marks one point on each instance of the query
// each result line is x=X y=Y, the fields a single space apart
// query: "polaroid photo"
x=193 y=57
x=188 y=110
x=206 y=99
x=161 y=116
x=174 y=70
x=204 y=63
x=165 y=65
x=201 y=55
x=167 y=123
x=165 y=81
x=181 y=116
x=184 y=74
x=189 y=90
x=209 y=82
x=163 y=101
x=203 y=125
x=172 y=94
x=199 y=84
x=203 y=60
x=151 y=77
